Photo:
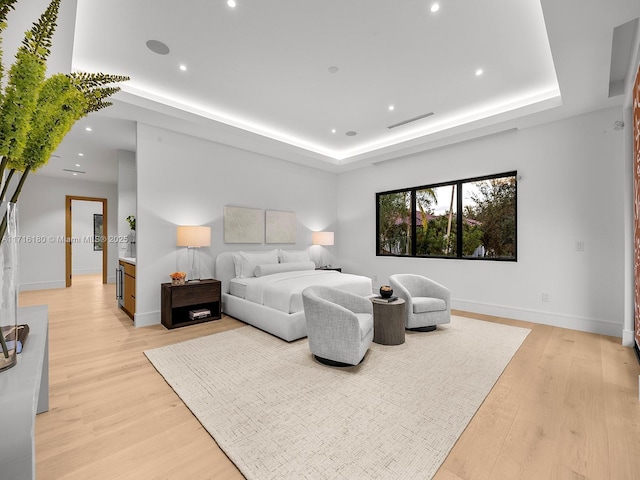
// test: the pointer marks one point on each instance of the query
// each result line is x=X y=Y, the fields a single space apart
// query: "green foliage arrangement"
x=131 y=220
x=36 y=113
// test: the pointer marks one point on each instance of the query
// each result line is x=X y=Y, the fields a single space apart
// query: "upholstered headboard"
x=225 y=269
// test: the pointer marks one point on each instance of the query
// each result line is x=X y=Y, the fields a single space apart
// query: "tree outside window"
x=424 y=221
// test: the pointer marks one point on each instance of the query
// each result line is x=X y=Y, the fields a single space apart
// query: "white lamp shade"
x=192 y=236
x=322 y=238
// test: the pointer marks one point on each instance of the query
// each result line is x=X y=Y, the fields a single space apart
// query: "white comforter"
x=283 y=291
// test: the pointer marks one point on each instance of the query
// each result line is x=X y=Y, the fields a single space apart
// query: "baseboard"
x=628 y=338
x=592 y=325
x=146 y=319
x=23 y=287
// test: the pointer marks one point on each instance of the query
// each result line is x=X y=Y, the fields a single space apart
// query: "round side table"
x=388 y=321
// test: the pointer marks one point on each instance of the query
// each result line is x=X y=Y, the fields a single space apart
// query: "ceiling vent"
x=404 y=122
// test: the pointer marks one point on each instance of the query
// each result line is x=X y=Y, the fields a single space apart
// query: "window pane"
x=394 y=226
x=436 y=221
x=489 y=218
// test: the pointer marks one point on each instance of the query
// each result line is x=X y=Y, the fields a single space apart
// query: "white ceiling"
x=258 y=75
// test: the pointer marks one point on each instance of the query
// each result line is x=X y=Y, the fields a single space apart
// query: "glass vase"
x=8 y=285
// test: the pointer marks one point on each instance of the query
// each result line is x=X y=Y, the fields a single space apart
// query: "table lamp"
x=323 y=239
x=193 y=237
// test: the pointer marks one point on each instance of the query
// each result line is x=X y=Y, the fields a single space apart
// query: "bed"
x=264 y=289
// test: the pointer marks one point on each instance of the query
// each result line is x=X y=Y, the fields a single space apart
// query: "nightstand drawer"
x=194 y=293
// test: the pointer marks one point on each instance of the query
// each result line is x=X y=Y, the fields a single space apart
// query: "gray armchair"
x=339 y=325
x=428 y=303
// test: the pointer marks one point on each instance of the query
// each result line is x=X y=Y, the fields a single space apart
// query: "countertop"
x=130 y=260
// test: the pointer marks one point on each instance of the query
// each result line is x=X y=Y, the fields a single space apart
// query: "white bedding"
x=283 y=291
x=238 y=287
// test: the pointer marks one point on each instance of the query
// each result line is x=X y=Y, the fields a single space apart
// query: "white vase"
x=8 y=286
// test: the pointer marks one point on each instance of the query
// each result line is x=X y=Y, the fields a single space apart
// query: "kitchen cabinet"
x=129 y=288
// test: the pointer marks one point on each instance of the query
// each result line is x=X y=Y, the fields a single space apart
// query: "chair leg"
x=428 y=328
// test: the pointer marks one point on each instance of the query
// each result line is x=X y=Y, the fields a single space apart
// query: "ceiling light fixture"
x=77 y=164
x=183 y=67
x=391 y=108
x=81 y=154
x=479 y=72
x=435 y=7
x=89 y=129
x=333 y=130
x=231 y=3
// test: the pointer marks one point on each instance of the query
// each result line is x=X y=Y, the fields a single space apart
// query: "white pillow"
x=246 y=262
x=271 y=268
x=294 y=256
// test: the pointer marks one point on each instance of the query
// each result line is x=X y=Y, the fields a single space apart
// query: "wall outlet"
x=545 y=297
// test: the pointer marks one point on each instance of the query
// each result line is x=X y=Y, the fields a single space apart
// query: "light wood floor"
x=566 y=407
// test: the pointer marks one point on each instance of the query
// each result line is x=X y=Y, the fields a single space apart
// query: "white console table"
x=24 y=392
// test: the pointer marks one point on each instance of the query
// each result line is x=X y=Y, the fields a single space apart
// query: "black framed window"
x=472 y=219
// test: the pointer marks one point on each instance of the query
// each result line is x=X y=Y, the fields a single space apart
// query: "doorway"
x=97 y=239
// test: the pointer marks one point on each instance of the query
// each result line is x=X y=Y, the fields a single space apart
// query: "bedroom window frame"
x=412 y=208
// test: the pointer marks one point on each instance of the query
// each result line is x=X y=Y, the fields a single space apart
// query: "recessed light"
x=435 y=7
x=231 y=3
x=183 y=68
x=75 y=174
x=479 y=72
x=333 y=130
x=89 y=129
x=391 y=108
x=81 y=154
x=156 y=46
x=77 y=164
x=333 y=69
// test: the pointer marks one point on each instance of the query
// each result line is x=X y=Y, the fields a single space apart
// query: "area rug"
x=279 y=414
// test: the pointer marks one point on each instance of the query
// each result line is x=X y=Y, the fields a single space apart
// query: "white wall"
x=628 y=336
x=127 y=198
x=86 y=260
x=571 y=189
x=41 y=222
x=183 y=180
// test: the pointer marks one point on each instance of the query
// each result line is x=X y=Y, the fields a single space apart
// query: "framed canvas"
x=243 y=225
x=281 y=227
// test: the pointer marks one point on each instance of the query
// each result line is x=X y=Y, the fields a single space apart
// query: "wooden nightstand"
x=179 y=300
